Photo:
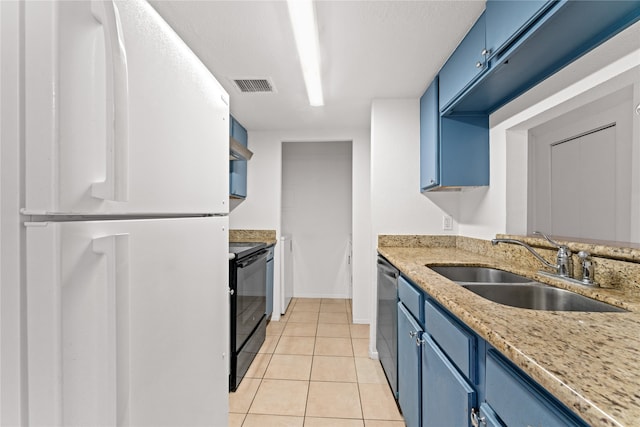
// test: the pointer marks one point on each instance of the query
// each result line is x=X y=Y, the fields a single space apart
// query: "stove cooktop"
x=242 y=249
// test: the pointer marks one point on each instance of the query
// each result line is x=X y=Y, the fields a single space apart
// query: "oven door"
x=250 y=295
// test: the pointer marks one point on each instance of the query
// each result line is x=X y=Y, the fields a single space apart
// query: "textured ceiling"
x=370 y=49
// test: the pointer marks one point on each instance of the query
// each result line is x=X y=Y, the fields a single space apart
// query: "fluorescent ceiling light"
x=305 y=32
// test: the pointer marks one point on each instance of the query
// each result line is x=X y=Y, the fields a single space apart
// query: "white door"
x=581 y=168
x=127 y=322
x=121 y=117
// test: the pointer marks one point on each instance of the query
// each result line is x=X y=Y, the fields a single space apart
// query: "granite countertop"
x=589 y=361
x=262 y=236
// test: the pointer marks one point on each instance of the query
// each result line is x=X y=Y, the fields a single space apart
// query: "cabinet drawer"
x=518 y=402
x=456 y=342
x=411 y=298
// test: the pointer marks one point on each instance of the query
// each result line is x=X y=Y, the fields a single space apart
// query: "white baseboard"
x=320 y=295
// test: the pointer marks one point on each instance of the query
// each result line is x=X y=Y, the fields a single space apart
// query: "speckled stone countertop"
x=266 y=236
x=589 y=361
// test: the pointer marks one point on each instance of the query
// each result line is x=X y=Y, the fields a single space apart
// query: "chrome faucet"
x=564 y=262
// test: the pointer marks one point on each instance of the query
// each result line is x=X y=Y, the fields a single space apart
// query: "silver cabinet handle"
x=479 y=64
x=485 y=52
x=419 y=341
x=412 y=334
x=476 y=420
x=231 y=291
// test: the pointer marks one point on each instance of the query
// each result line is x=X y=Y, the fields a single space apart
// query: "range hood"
x=238 y=151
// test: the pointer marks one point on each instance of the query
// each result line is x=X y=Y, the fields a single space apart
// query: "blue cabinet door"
x=429 y=138
x=519 y=401
x=447 y=397
x=409 y=356
x=466 y=63
x=507 y=19
x=238 y=168
x=488 y=418
x=239 y=133
x=464 y=151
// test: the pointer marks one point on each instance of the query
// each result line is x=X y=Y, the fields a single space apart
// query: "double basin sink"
x=514 y=290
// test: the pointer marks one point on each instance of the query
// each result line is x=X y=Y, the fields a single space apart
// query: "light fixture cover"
x=305 y=32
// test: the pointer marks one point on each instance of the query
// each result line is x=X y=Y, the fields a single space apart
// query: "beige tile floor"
x=314 y=370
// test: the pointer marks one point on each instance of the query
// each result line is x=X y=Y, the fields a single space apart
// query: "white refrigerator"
x=125 y=203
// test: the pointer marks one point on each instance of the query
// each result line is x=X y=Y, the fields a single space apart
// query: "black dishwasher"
x=387 y=324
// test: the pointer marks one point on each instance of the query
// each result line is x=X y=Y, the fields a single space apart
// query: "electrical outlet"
x=447 y=222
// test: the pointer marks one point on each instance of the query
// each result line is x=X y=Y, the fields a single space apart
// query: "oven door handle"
x=253 y=258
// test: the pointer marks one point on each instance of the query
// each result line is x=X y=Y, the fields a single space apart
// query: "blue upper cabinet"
x=530 y=41
x=429 y=138
x=239 y=132
x=238 y=168
x=466 y=63
x=505 y=20
x=454 y=151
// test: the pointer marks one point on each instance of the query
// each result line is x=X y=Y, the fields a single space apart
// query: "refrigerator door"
x=127 y=322
x=121 y=117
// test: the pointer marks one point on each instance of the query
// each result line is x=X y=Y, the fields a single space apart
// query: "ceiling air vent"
x=254 y=85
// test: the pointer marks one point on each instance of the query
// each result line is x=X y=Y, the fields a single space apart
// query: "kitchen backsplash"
x=615 y=267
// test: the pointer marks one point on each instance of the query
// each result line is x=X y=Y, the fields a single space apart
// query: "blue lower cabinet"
x=409 y=366
x=459 y=344
x=448 y=376
x=488 y=418
x=447 y=397
x=519 y=401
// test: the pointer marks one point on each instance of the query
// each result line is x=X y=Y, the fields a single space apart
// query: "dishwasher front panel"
x=387 y=324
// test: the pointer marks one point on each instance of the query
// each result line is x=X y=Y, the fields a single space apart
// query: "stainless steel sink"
x=538 y=296
x=514 y=290
x=462 y=273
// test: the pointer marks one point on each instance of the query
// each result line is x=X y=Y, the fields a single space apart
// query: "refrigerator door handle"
x=116 y=184
x=116 y=376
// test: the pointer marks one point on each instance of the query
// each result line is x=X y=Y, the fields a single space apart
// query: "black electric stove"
x=243 y=249
x=248 y=303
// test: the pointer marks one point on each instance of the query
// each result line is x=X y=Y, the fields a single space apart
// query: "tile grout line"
x=314 y=356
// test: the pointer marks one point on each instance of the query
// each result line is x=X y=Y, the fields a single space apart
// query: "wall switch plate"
x=447 y=222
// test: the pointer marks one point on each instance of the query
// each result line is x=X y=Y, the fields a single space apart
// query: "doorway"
x=581 y=172
x=317 y=214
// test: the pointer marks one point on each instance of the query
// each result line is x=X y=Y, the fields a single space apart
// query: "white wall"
x=316 y=211
x=502 y=207
x=262 y=208
x=397 y=206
